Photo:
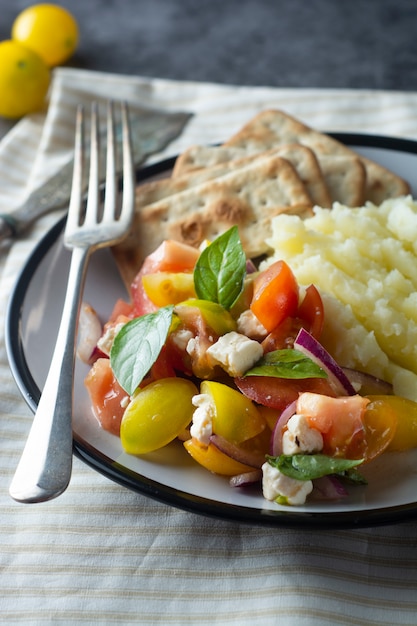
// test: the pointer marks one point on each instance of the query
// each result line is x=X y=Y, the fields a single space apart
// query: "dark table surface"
x=360 y=44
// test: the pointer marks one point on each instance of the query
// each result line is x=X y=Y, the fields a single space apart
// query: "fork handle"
x=44 y=469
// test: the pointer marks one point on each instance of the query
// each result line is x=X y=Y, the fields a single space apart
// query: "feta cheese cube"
x=106 y=341
x=276 y=485
x=249 y=325
x=300 y=437
x=235 y=353
x=182 y=337
x=202 y=426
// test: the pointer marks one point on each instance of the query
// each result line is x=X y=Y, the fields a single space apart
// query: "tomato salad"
x=227 y=359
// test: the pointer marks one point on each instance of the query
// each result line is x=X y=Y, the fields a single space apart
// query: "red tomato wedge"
x=353 y=427
x=162 y=368
x=278 y=393
x=311 y=311
x=106 y=395
x=340 y=421
x=275 y=295
x=121 y=309
x=170 y=256
x=283 y=336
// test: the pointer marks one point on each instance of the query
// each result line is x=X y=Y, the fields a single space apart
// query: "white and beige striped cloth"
x=101 y=554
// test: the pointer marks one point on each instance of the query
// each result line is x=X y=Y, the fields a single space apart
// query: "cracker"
x=207 y=162
x=197 y=157
x=274 y=127
x=155 y=191
x=248 y=197
x=345 y=177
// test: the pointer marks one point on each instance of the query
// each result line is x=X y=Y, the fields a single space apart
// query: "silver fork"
x=45 y=467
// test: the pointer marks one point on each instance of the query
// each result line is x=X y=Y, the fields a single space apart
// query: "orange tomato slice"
x=275 y=295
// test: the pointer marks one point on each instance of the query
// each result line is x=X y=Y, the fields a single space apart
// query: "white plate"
x=170 y=475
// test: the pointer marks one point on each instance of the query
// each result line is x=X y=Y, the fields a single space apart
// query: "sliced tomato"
x=278 y=393
x=121 y=309
x=340 y=421
x=380 y=422
x=235 y=417
x=283 y=335
x=405 y=436
x=106 y=395
x=214 y=460
x=162 y=368
x=311 y=310
x=310 y=315
x=170 y=256
x=275 y=295
x=353 y=427
x=195 y=312
x=142 y=304
x=165 y=288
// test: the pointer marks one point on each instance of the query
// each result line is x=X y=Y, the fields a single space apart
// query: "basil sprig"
x=287 y=363
x=221 y=269
x=137 y=346
x=311 y=466
x=218 y=277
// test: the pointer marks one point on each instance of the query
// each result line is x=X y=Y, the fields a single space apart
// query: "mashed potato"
x=364 y=262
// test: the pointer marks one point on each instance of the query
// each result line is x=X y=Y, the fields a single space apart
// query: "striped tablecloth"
x=104 y=555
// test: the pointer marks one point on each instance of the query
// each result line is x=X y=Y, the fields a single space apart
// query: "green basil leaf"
x=311 y=466
x=137 y=346
x=288 y=363
x=353 y=476
x=221 y=269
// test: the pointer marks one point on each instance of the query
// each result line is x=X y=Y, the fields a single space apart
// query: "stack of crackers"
x=274 y=164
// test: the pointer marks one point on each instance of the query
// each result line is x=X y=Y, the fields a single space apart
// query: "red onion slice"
x=276 y=439
x=328 y=488
x=89 y=332
x=308 y=345
x=247 y=479
x=250 y=267
x=238 y=454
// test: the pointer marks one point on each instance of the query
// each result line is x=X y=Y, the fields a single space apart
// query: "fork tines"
x=94 y=210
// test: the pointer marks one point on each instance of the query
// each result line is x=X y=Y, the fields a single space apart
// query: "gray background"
x=368 y=44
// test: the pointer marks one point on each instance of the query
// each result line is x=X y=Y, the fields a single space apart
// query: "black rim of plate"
x=145 y=486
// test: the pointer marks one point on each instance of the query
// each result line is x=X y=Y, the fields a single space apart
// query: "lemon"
x=49 y=30
x=24 y=80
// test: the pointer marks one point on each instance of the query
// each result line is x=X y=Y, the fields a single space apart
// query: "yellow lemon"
x=24 y=80
x=49 y=30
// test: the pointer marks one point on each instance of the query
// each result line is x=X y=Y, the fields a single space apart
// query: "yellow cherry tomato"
x=405 y=436
x=270 y=415
x=214 y=460
x=213 y=314
x=24 y=80
x=49 y=30
x=380 y=422
x=164 y=288
x=235 y=418
x=157 y=414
